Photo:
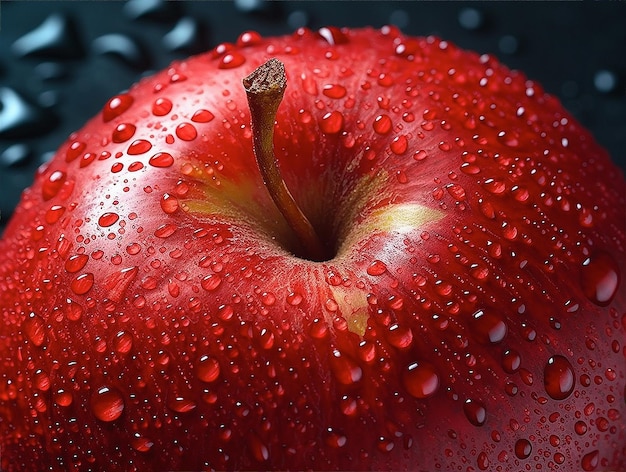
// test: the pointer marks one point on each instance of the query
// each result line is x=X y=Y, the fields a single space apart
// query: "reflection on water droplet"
x=139 y=146
x=123 y=132
x=558 y=377
x=116 y=106
x=208 y=369
x=202 y=116
x=211 y=282
x=334 y=91
x=123 y=342
x=82 y=284
x=377 y=268
x=523 y=448
x=161 y=107
x=161 y=159
x=107 y=404
x=487 y=327
x=345 y=370
x=76 y=262
x=332 y=122
x=186 y=131
x=382 y=124
x=600 y=278
x=52 y=185
x=231 y=60
x=108 y=219
x=590 y=460
x=34 y=329
x=169 y=204
x=420 y=379
x=475 y=412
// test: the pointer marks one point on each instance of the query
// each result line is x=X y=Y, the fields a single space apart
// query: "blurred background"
x=61 y=60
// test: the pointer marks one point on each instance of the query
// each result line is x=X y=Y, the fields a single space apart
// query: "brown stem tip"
x=265 y=88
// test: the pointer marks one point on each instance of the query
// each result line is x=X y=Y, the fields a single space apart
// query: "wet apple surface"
x=470 y=313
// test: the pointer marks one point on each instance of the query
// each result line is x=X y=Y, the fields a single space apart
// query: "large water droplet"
x=107 y=404
x=600 y=278
x=52 y=185
x=334 y=91
x=186 y=131
x=346 y=371
x=590 y=460
x=108 y=219
x=76 y=262
x=487 y=327
x=116 y=106
x=420 y=379
x=34 y=329
x=558 y=377
x=332 y=122
x=377 y=268
x=161 y=159
x=208 y=369
x=123 y=132
x=523 y=448
x=382 y=124
x=475 y=412
x=82 y=284
x=161 y=107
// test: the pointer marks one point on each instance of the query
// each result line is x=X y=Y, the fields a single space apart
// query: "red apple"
x=464 y=308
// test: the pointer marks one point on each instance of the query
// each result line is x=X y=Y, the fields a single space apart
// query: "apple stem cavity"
x=265 y=88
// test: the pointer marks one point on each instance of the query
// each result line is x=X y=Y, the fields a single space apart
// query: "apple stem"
x=265 y=88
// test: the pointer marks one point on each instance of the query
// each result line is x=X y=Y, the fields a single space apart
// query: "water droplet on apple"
x=169 y=204
x=225 y=312
x=482 y=461
x=54 y=214
x=318 y=329
x=511 y=361
x=180 y=404
x=600 y=278
x=108 y=219
x=161 y=159
x=523 y=448
x=73 y=311
x=34 y=329
x=107 y=404
x=475 y=412
x=123 y=342
x=139 y=146
x=333 y=35
x=590 y=460
x=140 y=443
x=76 y=262
x=377 y=268
x=82 y=284
x=161 y=107
x=399 y=145
x=334 y=91
x=400 y=337
x=346 y=371
x=231 y=60
x=202 y=116
x=332 y=122
x=63 y=398
x=487 y=327
x=211 y=282
x=123 y=132
x=335 y=439
x=165 y=231
x=558 y=377
x=74 y=150
x=208 y=369
x=53 y=184
x=116 y=106
x=259 y=450
x=294 y=298
x=420 y=379
x=382 y=124
x=186 y=131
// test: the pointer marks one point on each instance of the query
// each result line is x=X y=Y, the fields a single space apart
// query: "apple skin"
x=157 y=315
